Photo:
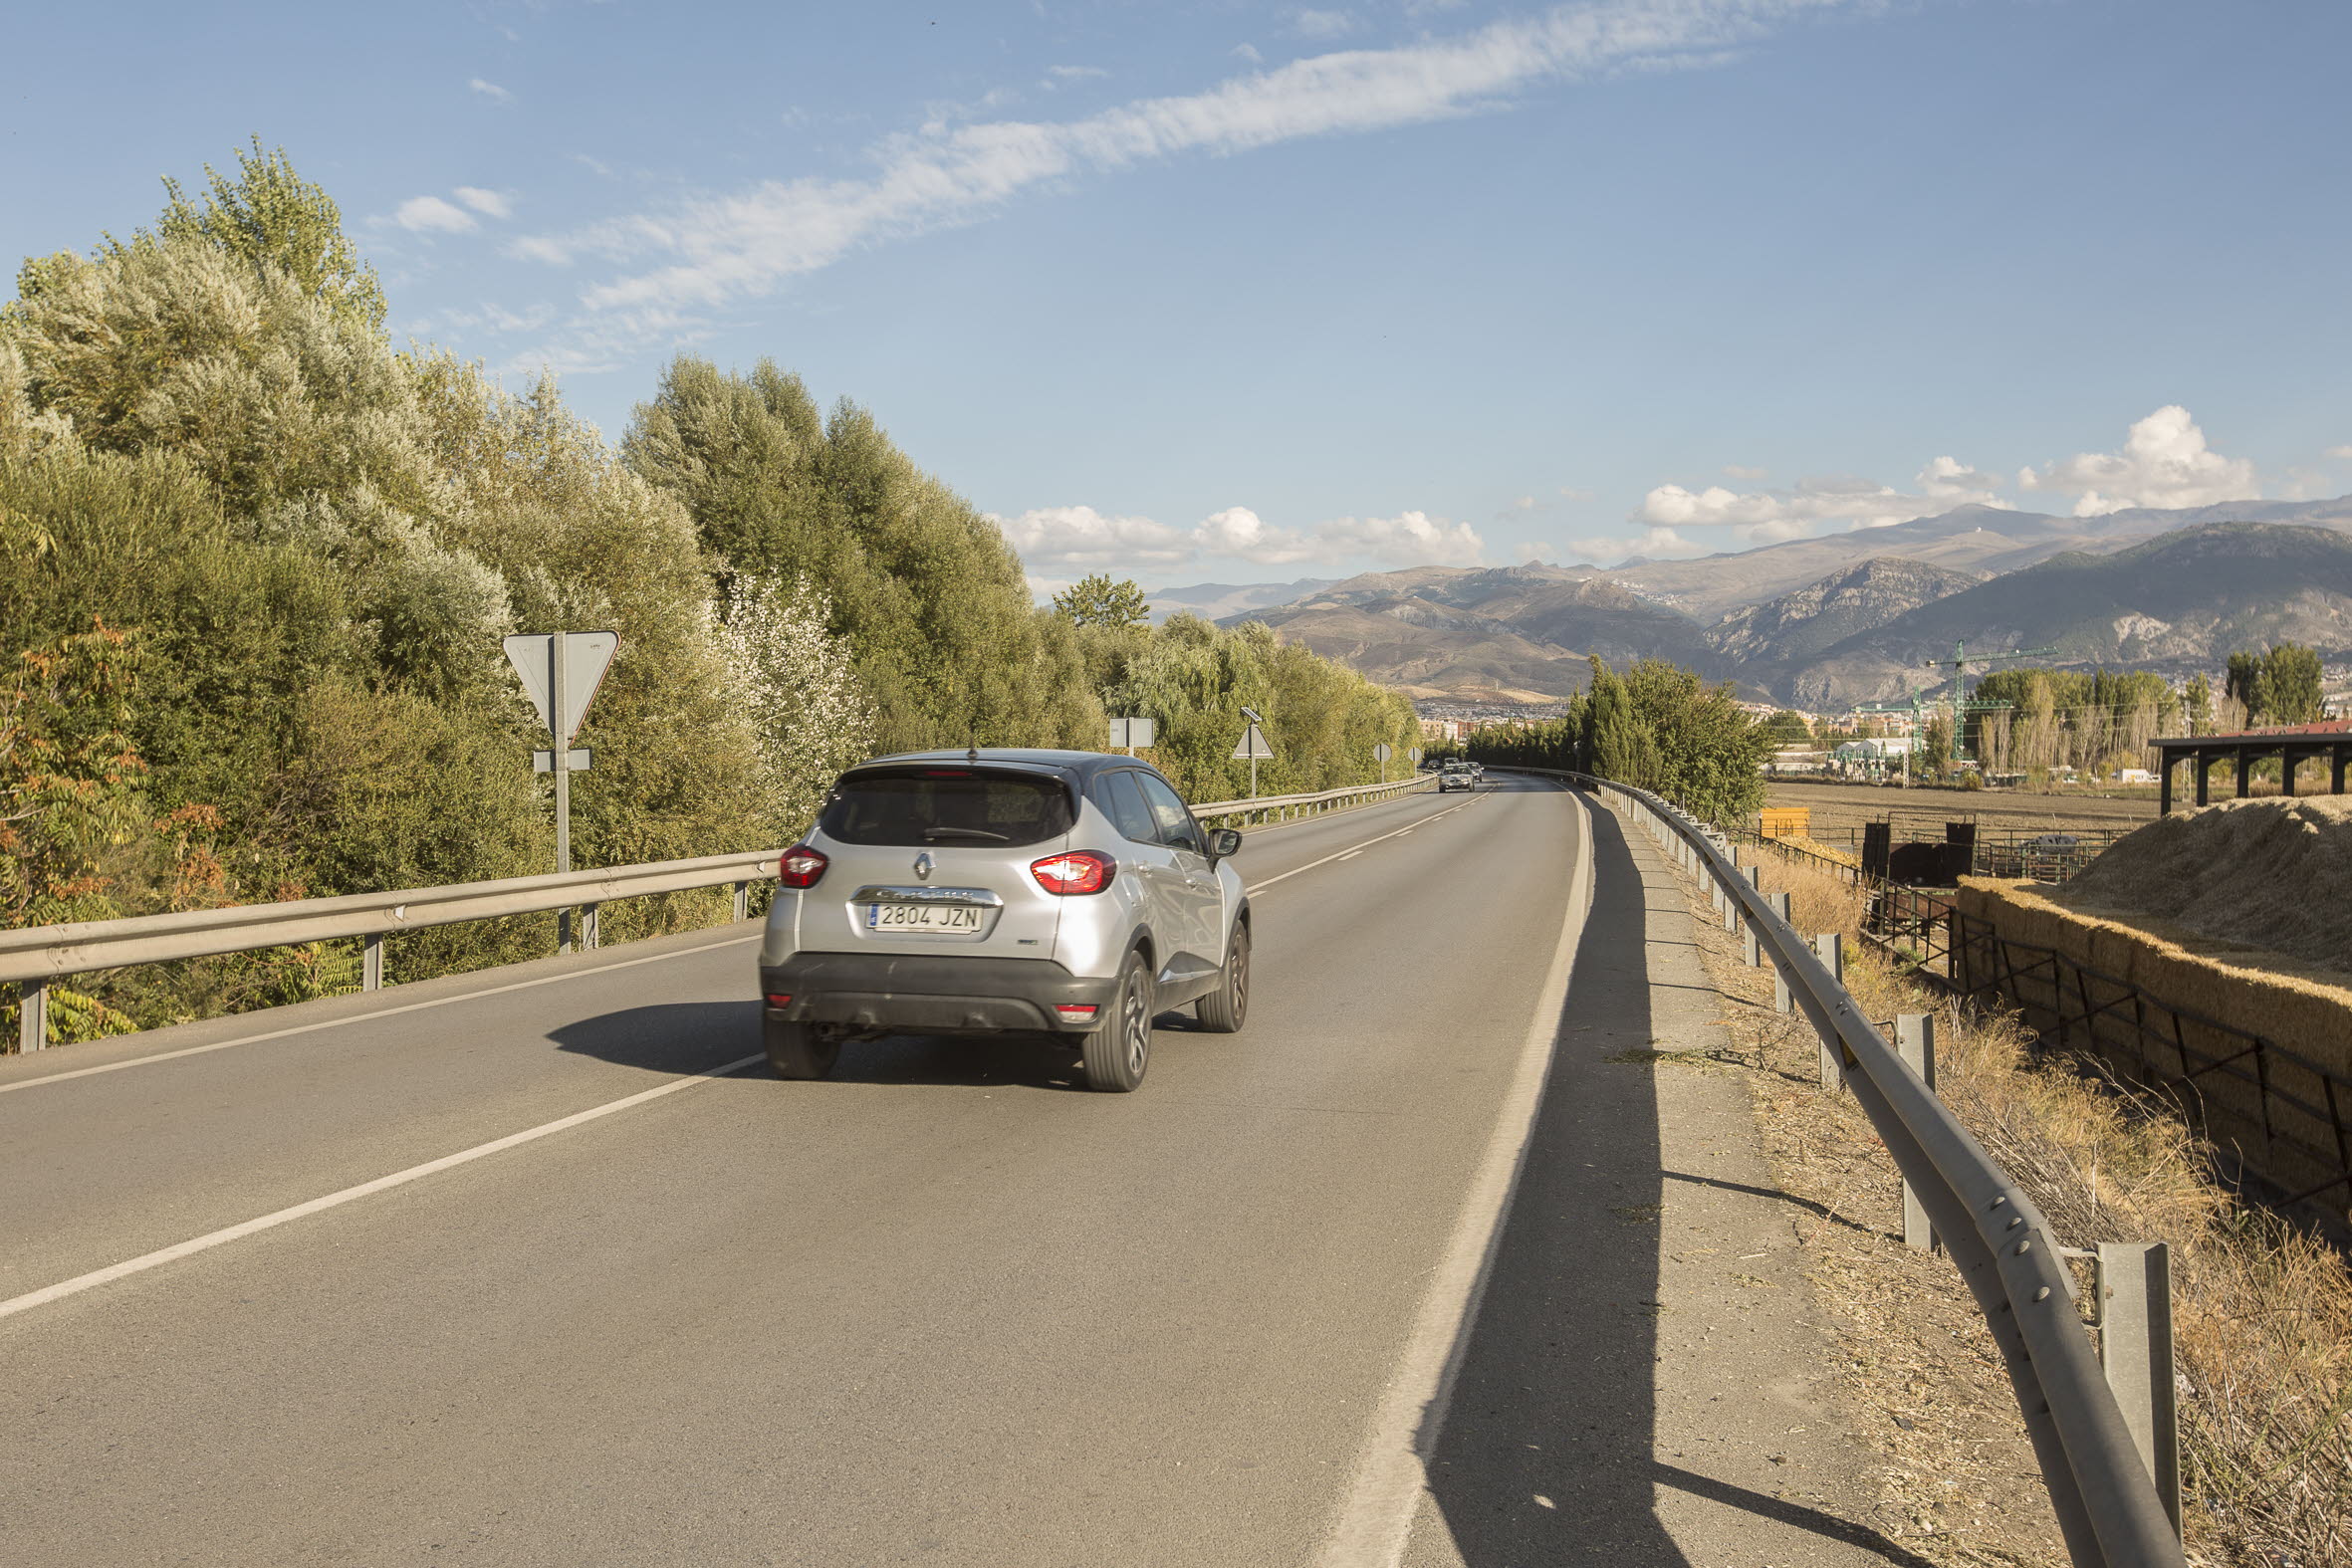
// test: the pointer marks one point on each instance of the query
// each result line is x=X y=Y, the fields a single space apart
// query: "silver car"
x=977 y=892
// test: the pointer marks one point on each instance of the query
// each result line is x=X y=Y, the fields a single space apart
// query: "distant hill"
x=1771 y=641
x=1218 y=600
x=2187 y=597
x=1983 y=540
x=1848 y=617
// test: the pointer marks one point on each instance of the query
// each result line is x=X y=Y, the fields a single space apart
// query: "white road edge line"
x=1374 y=1526
x=1342 y=854
x=371 y=1015
x=188 y=1249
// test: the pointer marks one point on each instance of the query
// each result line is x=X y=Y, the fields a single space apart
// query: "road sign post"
x=1252 y=747
x=1381 y=753
x=560 y=673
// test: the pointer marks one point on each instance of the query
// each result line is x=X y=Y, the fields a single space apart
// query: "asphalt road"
x=945 y=1308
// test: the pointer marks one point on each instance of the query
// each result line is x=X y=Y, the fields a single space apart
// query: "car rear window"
x=946 y=806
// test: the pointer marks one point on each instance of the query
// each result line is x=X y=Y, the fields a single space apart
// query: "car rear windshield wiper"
x=932 y=835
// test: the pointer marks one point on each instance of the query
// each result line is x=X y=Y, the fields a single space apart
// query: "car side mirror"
x=1225 y=844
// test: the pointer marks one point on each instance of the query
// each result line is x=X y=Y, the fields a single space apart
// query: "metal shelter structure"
x=2293 y=744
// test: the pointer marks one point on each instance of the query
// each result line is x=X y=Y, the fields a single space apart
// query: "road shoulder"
x=1649 y=1377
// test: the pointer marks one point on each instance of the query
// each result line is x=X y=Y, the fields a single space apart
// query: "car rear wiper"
x=932 y=835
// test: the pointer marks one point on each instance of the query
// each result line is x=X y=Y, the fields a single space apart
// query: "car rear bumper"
x=930 y=992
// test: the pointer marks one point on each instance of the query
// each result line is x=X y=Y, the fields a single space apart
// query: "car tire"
x=800 y=1052
x=1222 y=1010
x=1118 y=1050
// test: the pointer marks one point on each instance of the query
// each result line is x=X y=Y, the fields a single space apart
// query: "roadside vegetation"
x=2263 y=1309
x=259 y=560
x=1657 y=727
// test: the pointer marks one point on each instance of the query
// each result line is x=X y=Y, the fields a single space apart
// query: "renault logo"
x=923 y=866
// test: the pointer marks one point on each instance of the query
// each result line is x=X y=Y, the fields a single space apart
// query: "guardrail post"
x=2135 y=1300
x=371 y=961
x=1832 y=945
x=1781 y=1000
x=32 y=1009
x=1915 y=1043
x=743 y=901
x=589 y=928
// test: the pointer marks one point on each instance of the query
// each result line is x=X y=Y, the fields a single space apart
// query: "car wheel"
x=1118 y=1052
x=800 y=1050
x=1222 y=1010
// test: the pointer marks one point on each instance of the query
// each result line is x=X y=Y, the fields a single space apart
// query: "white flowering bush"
x=796 y=686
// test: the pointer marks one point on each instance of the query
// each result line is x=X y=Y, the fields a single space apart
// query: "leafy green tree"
x=2297 y=688
x=1098 y=600
x=2197 y=699
x=272 y=218
x=1788 y=730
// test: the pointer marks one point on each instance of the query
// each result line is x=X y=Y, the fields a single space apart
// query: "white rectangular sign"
x=1132 y=733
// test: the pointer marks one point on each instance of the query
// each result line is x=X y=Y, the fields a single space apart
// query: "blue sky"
x=1247 y=292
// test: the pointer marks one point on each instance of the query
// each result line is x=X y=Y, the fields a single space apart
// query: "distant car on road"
x=980 y=892
x=1457 y=775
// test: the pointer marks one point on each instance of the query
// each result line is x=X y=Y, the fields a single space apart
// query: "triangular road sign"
x=586 y=656
x=1252 y=746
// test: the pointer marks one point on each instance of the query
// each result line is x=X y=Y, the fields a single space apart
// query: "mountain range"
x=1847 y=617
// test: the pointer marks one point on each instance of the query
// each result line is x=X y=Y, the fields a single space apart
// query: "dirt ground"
x=1839 y=808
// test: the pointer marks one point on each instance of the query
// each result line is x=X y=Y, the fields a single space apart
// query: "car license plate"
x=925 y=918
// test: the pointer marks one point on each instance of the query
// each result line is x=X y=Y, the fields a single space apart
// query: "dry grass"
x=2264 y=1313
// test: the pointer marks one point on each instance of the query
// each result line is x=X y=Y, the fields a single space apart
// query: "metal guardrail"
x=1283 y=807
x=37 y=957
x=2107 y=1503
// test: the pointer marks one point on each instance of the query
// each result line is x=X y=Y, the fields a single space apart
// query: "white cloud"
x=1075 y=72
x=1650 y=541
x=1533 y=549
x=491 y=91
x=2164 y=463
x=432 y=215
x=1571 y=492
x=1082 y=539
x=2344 y=452
x=724 y=247
x=489 y=203
x=1323 y=24
x=1764 y=516
x=1250 y=53
x=1736 y=471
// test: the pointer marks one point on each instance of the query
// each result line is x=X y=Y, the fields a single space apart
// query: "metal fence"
x=2289 y=1117
x=2100 y=1478
x=36 y=958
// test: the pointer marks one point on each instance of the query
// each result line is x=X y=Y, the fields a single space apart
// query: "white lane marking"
x=371 y=1016
x=195 y=1244
x=1342 y=854
x=1351 y=854
x=1375 y=1525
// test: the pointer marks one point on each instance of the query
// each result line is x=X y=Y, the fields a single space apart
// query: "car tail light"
x=801 y=866
x=1075 y=1011
x=1077 y=871
x=779 y=998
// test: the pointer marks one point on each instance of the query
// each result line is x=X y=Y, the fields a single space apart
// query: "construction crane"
x=1962 y=704
x=1910 y=705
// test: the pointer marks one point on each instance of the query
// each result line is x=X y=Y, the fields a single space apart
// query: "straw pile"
x=2273 y=874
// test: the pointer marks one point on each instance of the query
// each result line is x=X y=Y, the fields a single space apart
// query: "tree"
x=2197 y=701
x=1788 y=730
x=797 y=684
x=2296 y=685
x=271 y=217
x=1100 y=602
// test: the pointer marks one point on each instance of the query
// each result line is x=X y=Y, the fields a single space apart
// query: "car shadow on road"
x=1547 y=1453
x=695 y=1036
